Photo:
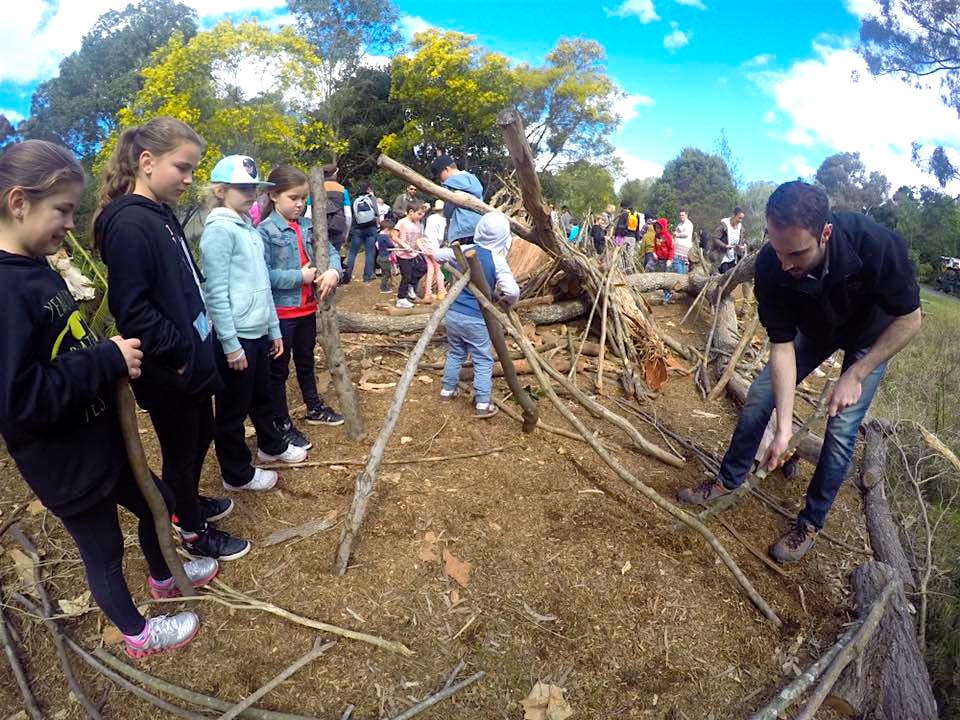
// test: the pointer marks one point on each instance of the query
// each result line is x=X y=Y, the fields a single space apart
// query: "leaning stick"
x=110 y=674
x=527 y=404
x=748 y=331
x=316 y=651
x=130 y=430
x=195 y=698
x=593 y=309
x=605 y=289
x=788 y=695
x=10 y=650
x=367 y=478
x=437 y=697
x=853 y=649
x=47 y=608
x=626 y=476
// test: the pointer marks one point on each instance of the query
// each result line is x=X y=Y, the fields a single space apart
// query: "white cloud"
x=861 y=8
x=677 y=38
x=39 y=34
x=12 y=115
x=760 y=60
x=637 y=168
x=643 y=10
x=769 y=116
x=410 y=25
x=798 y=136
x=628 y=106
x=797 y=166
x=879 y=117
x=698 y=4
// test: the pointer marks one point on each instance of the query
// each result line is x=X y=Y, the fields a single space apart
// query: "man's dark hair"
x=737 y=210
x=564 y=208
x=799 y=204
x=364 y=187
x=441 y=163
x=624 y=204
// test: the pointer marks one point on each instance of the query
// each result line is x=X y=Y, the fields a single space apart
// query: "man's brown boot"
x=704 y=493
x=796 y=543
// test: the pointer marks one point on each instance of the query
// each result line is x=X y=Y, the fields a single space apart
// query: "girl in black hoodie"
x=155 y=295
x=56 y=401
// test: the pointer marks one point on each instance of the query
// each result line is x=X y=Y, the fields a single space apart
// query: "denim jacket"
x=283 y=257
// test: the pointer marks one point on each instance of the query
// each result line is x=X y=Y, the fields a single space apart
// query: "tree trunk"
x=374 y=323
x=889 y=681
x=327 y=326
x=883 y=532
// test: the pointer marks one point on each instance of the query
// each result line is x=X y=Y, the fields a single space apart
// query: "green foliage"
x=78 y=107
x=845 y=180
x=450 y=90
x=929 y=221
x=725 y=152
x=636 y=193
x=7 y=131
x=753 y=201
x=698 y=183
x=567 y=104
x=201 y=81
x=582 y=186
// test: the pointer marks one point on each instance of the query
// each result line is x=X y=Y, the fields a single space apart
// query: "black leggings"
x=96 y=532
x=299 y=340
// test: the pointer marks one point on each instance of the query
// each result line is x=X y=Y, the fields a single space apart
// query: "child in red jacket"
x=663 y=250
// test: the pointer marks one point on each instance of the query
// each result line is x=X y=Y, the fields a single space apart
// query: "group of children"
x=188 y=340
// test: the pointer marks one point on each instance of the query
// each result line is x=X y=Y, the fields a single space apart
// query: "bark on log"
x=522 y=367
x=454 y=197
x=373 y=323
x=889 y=681
x=882 y=530
x=809 y=448
x=749 y=329
x=327 y=326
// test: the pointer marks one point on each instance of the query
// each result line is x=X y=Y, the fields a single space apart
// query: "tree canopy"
x=698 y=183
x=244 y=89
x=847 y=184
x=636 y=193
x=78 y=107
x=582 y=186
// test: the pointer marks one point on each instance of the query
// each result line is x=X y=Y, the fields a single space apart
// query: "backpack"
x=364 y=211
x=633 y=221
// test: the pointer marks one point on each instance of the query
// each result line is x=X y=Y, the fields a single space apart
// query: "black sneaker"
x=213 y=509
x=291 y=435
x=216 y=544
x=323 y=414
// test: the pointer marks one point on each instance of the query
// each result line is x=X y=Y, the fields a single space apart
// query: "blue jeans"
x=838 y=440
x=467 y=334
x=366 y=238
x=679 y=265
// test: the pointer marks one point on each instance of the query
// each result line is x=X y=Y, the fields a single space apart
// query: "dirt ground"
x=646 y=622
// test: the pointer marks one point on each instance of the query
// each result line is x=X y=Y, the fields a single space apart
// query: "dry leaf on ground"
x=428 y=547
x=456 y=568
x=405 y=439
x=24 y=566
x=35 y=507
x=546 y=702
x=77 y=606
x=112 y=636
x=425 y=379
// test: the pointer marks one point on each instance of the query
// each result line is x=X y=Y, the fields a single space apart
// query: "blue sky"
x=776 y=77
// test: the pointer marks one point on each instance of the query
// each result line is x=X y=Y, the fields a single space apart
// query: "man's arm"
x=783 y=375
x=895 y=338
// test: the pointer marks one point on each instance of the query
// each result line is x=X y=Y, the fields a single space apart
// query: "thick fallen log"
x=889 y=681
x=351 y=322
x=884 y=537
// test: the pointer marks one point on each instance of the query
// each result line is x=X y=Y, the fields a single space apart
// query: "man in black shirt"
x=825 y=282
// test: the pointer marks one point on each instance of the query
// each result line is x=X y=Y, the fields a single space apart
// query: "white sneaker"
x=404 y=303
x=262 y=480
x=292 y=454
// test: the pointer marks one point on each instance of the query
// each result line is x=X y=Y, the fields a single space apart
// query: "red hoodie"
x=663 y=244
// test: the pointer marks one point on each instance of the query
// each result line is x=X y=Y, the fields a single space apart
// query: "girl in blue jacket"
x=240 y=302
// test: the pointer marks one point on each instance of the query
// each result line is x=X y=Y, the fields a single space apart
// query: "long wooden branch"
x=367 y=479
x=327 y=325
x=748 y=331
x=129 y=429
x=23 y=684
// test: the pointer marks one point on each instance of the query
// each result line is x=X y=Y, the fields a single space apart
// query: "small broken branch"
x=437 y=697
x=748 y=331
x=23 y=684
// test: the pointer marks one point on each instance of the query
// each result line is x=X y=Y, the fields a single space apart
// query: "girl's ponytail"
x=158 y=136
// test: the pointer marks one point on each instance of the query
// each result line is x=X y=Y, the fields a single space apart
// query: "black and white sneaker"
x=323 y=414
x=215 y=544
x=213 y=509
x=292 y=436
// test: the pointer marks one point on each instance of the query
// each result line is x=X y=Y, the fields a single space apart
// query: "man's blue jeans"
x=366 y=238
x=467 y=334
x=838 y=440
x=678 y=265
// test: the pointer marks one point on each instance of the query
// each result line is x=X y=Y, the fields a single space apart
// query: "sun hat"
x=438 y=204
x=237 y=170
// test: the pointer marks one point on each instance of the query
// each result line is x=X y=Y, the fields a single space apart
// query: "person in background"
x=725 y=241
x=412 y=265
x=663 y=249
x=574 y=232
x=598 y=233
x=825 y=281
x=609 y=215
x=461 y=222
x=382 y=209
x=434 y=231
x=566 y=221
x=404 y=200
x=647 y=244
x=337 y=195
x=625 y=233
x=386 y=244
x=366 y=220
x=682 y=244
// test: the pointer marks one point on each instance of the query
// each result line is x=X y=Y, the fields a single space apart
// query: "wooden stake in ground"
x=130 y=430
x=527 y=404
x=749 y=329
x=367 y=478
x=327 y=329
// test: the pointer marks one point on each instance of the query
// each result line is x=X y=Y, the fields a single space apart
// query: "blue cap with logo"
x=237 y=170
